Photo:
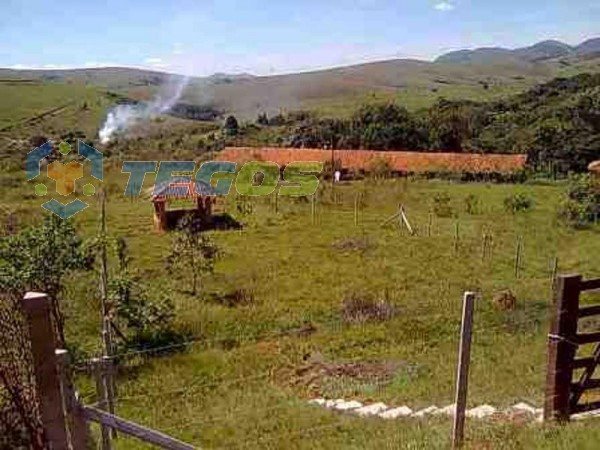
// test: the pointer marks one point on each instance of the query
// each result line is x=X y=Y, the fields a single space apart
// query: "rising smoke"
x=121 y=117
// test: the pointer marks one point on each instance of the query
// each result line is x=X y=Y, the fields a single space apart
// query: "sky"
x=267 y=37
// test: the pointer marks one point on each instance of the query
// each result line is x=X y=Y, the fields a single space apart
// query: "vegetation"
x=556 y=124
x=144 y=323
x=193 y=254
x=517 y=203
x=40 y=259
x=231 y=126
x=298 y=281
x=300 y=305
x=582 y=204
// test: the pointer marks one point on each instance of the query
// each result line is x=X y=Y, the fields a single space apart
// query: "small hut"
x=181 y=188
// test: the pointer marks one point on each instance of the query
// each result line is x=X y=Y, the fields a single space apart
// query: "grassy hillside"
x=245 y=381
x=275 y=324
x=333 y=92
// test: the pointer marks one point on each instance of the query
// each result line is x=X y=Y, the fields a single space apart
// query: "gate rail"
x=563 y=394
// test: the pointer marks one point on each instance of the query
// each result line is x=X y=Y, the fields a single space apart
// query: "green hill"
x=483 y=74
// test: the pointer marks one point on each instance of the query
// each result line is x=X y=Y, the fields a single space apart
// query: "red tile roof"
x=401 y=161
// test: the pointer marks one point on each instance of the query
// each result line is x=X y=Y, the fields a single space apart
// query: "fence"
x=65 y=419
x=563 y=395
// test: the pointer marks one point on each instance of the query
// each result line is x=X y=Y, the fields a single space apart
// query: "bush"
x=582 y=205
x=380 y=168
x=517 y=203
x=472 y=204
x=441 y=205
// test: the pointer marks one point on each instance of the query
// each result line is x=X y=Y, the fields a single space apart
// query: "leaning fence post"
x=462 y=376
x=77 y=426
x=562 y=347
x=38 y=312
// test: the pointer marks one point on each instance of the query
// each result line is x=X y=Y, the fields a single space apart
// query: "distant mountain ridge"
x=479 y=74
x=541 y=51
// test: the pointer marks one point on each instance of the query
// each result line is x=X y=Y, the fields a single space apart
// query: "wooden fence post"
x=38 y=312
x=76 y=424
x=429 y=224
x=518 y=256
x=562 y=347
x=356 y=207
x=102 y=398
x=554 y=272
x=462 y=375
x=456 y=237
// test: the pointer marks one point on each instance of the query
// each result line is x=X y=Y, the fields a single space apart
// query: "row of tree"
x=557 y=124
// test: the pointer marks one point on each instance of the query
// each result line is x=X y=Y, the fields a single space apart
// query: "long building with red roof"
x=399 y=161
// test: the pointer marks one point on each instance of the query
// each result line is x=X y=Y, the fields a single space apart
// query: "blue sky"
x=264 y=37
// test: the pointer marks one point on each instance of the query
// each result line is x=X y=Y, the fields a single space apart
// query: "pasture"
x=254 y=360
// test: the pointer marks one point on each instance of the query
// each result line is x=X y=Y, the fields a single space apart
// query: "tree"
x=451 y=125
x=262 y=119
x=143 y=322
x=193 y=254
x=231 y=126
x=581 y=207
x=40 y=258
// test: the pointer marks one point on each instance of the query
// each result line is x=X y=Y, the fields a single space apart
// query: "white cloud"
x=55 y=67
x=153 y=60
x=444 y=6
x=95 y=65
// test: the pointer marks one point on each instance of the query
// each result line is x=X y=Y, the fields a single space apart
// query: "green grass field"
x=245 y=379
x=240 y=384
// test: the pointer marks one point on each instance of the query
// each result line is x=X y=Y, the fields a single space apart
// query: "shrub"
x=380 y=168
x=472 y=204
x=193 y=253
x=582 y=204
x=441 y=205
x=231 y=126
x=517 y=203
x=41 y=258
x=145 y=322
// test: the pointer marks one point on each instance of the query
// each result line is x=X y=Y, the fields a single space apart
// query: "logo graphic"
x=64 y=175
x=215 y=178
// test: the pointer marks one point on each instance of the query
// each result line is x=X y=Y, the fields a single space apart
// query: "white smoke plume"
x=121 y=117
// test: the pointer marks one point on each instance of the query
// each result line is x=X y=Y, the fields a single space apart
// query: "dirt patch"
x=357 y=244
x=504 y=300
x=315 y=374
x=363 y=307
